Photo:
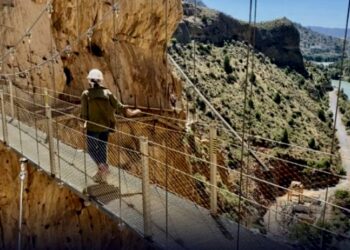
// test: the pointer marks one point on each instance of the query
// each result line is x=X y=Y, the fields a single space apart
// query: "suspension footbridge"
x=168 y=220
x=171 y=185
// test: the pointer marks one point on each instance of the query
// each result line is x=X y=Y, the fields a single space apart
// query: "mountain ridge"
x=334 y=32
x=319 y=47
x=277 y=39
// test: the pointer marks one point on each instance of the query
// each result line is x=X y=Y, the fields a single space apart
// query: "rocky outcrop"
x=279 y=39
x=54 y=217
x=129 y=46
x=198 y=2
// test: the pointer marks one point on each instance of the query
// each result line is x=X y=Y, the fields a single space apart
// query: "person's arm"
x=119 y=106
x=84 y=108
x=132 y=112
x=115 y=103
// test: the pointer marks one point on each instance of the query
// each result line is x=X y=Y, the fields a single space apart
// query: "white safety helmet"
x=95 y=74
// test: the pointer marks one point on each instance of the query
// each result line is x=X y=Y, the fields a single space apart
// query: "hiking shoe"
x=100 y=177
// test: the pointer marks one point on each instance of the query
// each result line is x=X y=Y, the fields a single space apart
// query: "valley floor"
x=344 y=139
x=275 y=223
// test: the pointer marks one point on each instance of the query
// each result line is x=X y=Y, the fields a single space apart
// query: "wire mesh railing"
x=284 y=202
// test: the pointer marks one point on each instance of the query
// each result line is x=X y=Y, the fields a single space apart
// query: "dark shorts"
x=97 y=146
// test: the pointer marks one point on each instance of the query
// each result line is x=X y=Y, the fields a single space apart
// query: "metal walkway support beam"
x=146 y=202
x=213 y=169
x=22 y=177
x=12 y=106
x=48 y=111
x=3 y=118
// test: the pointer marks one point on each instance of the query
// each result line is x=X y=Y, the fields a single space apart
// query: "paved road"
x=344 y=138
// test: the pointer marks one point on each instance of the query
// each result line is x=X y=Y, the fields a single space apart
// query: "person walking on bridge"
x=98 y=106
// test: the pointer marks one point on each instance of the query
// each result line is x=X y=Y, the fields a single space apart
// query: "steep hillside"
x=319 y=47
x=131 y=54
x=284 y=106
x=279 y=40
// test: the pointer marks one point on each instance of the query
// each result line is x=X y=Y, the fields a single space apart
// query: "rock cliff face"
x=54 y=218
x=278 y=39
x=129 y=46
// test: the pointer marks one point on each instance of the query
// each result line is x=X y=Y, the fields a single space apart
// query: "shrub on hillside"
x=251 y=104
x=252 y=78
x=258 y=116
x=347 y=124
x=203 y=49
x=312 y=144
x=322 y=115
x=231 y=79
x=323 y=164
x=285 y=137
x=342 y=198
x=291 y=122
x=277 y=99
x=201 y=105
x=227 y=65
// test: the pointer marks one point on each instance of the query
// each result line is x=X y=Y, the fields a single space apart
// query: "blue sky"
x=326 y=13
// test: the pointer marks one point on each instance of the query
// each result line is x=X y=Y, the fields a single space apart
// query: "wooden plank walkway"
x=189 y=225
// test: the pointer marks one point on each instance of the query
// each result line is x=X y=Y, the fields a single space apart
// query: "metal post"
x=85 y=168
x=323 y=246
x=12 y=106
x=3 y=118
x=46 y=97
x=22 y=177
x=50 y=140
x=213 y=169
x=146 y=188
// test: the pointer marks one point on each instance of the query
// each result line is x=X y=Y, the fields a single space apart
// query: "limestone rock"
x=54 y=217
x=278 y=39
x=129 y=47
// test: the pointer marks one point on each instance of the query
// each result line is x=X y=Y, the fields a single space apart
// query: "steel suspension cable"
x=53 y=83
x=251 y=78
x=29 y=75
x=244 y=126
x=65 y=50
x=166 y=151
x=336 y=113
x=28 y=30
x=115 y=73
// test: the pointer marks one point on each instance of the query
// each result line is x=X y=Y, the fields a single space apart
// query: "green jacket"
x=98 y=106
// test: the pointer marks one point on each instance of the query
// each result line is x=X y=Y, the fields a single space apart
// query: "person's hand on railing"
x=133 y=112
x=83 y=125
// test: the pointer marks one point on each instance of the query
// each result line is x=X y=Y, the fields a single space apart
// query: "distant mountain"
x=316 y=46
x=278 y=39
x=199 y=2
x=334 y=32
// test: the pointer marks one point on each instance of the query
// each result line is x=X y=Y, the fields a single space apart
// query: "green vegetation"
x=309 y=236
x=277 y=98
x=338 y=222
x=285 y=136
x=344 y=108
x=318 y=47
x=322 y=115
x=334 y=70
x=227 y=65
x=312 y=144
x=282 y=104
